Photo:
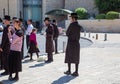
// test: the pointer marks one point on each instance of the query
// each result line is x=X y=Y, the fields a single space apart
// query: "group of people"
x=11 y=48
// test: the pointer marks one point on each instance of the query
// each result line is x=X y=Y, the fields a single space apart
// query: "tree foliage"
x=107 y=5
x=82 y=13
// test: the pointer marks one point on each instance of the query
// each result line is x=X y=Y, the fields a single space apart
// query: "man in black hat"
x=5 y=45
x=55 y=36
x=73 y=47
x=49 y=40
x=1 y=29
x=23 y=29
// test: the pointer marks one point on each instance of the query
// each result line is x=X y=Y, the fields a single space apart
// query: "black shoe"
x=15 y=79
x=48 y=61
x=56 y=52
x=75 y=74
x=10 y=78
x=31 y=60
x=27 y=56
x=67 y=72
x=5 y=73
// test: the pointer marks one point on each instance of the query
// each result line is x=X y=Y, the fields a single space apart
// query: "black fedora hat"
x=7 y=17
x=14 y=18
x=74 y=15
x=47 y=19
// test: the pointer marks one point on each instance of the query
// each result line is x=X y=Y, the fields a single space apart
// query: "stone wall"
x=3 y=4
x=88 y=4
x=100 y=26
x=14 y=7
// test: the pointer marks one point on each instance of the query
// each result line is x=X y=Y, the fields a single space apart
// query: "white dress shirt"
x=29 y=29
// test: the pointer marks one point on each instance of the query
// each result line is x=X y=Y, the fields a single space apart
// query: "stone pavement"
x=100 y=64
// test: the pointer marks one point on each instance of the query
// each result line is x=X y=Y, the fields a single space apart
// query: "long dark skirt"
x=33 y=48
x=15 y=64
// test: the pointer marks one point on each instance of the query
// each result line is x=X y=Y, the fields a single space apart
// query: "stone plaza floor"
x=99 y=64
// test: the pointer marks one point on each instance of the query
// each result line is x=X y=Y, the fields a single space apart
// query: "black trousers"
x=1 y=61
x=27 y=41
x=5 y=59
x=56 y=45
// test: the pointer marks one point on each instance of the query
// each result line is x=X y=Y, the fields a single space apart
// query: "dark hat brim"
x=47 y=20
x=74 y=16
x=6 y=19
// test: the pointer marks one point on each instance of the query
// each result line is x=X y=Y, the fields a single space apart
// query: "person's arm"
x=9 y=35
x=69 y=30
x=19 y=37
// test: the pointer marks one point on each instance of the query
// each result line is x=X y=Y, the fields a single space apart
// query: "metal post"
x=20 y=14
x=89 y=34
x=105 y=37
x=84 y=33
x=96 y=36
x=4 y=12
x=64 y=46
x=8 y=6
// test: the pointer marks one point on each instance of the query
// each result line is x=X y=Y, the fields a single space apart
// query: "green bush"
x=82 y=13
x=112 y=15
x=107 y=5
x=100 y=16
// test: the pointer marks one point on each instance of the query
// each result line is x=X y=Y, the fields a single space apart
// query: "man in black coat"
x=23 y=29
x=73 y=47
x=5 y=45
x=55 y=36
x=49 y=40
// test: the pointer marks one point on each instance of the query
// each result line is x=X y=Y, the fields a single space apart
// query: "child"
x=33 y=44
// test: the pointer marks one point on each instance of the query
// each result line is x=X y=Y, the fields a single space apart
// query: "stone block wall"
x=99 y=26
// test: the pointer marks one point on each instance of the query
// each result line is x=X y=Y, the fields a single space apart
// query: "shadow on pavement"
x=63 y=79
x=7 y=82
x=28 y=61
x=37 y=65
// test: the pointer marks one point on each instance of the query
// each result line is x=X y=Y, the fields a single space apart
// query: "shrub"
x=107 y=5
x=82 y=13
x=112 y=15
x=100 y=16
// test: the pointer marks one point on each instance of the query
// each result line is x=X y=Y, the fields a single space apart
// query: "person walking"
x=49 y=40
x=15 y=64
x=72 y=54
x=33 y=44
x=5 y=45
x=55 y=36
x=28 y=31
